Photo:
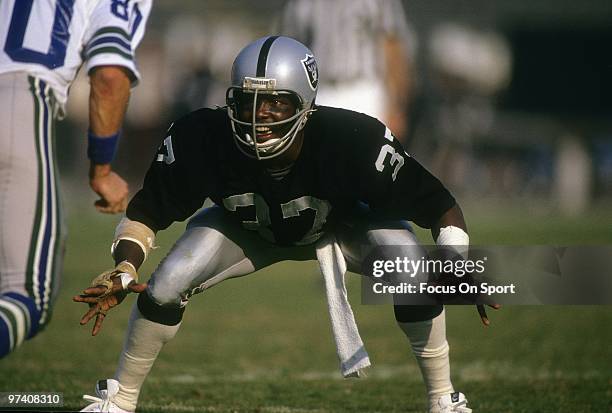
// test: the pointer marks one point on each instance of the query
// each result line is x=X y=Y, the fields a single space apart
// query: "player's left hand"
x=483 y=312
x=112 y=189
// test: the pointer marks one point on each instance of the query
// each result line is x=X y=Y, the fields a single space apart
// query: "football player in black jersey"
x=282 y=172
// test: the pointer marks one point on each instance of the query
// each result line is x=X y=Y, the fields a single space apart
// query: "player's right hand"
x=112 y=189
x=483 y=312
x=108 y=290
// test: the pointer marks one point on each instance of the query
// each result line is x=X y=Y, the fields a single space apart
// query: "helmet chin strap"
x=267 y=146
x=253 y=127
x=261 y=148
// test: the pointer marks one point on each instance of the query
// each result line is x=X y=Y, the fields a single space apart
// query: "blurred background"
x=507 y=101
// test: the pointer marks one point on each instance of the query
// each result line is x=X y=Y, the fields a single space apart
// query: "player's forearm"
x=398 y=74
x=398 y=87
x=108 y=99
x=129 y=251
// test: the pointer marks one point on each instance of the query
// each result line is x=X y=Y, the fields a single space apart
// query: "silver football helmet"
x=272 y=65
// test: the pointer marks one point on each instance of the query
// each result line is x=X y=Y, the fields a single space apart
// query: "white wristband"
x=455 y=237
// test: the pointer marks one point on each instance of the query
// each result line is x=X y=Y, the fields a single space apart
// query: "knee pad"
x=415 y=313
x=164 y=291
x=19 y=321
x=169 y=315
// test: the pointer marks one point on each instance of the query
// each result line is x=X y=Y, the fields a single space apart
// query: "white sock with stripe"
x=18 y=321
x=143 y=343
x=429 y=345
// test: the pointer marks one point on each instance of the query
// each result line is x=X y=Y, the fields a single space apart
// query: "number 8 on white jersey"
x=51 y=39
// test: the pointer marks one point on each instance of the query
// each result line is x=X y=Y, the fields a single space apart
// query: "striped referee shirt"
x=345 y=35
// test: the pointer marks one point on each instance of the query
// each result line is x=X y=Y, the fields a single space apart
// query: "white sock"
x=429 y=345
x=143 y=342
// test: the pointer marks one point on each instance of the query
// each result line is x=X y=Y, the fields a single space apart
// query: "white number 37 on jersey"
x=396 y=160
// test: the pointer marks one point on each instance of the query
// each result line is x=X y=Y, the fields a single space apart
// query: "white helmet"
x=274 y=65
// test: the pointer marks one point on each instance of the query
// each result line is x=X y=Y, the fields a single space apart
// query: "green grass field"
x=263 y=343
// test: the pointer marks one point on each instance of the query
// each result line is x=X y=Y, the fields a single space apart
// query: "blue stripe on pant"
x=19 y=320
x=44 y=270
x=31 y=226
x=47 y=240
x=6 y=340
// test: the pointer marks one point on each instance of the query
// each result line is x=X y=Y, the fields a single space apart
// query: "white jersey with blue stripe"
x=50 y=39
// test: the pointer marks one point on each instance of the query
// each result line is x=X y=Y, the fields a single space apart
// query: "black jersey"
x=346 y=158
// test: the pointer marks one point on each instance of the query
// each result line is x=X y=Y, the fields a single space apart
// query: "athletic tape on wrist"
x=455 y=237
x=128 y=273
x=126 y=279
x=125 y=271
x=126 y=267
x=136 y=232
x=101 y=150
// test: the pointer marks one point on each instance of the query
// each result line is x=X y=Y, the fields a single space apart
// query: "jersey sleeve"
x=395 y=185
x=116 y=28
x=178 y=180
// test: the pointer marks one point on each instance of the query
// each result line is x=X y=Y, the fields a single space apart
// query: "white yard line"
x=212 y=409
x=472 y=372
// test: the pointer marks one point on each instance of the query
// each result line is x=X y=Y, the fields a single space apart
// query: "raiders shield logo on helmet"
x=310 y=66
